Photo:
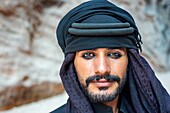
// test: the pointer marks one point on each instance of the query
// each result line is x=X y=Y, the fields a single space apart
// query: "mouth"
x=102 y=83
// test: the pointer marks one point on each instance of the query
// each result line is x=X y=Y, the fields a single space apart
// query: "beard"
x=103 y=96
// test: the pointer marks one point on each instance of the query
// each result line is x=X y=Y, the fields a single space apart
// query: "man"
x=103 y=71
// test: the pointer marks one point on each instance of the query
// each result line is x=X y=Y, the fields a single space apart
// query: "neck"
x=113 y=104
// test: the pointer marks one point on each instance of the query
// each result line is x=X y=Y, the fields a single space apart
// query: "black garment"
x=60 y=109
x=143 y=93
x=97 y=108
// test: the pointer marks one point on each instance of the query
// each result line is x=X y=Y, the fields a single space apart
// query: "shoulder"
x=59 y=110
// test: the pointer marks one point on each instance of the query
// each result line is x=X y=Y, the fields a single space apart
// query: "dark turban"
x=97 y=23
x=81 y=29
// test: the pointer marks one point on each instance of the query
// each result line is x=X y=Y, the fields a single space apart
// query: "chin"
x=102 y=95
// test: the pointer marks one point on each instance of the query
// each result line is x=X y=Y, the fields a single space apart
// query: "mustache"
x=109 y=78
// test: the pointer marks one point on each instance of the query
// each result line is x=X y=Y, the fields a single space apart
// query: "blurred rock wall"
x=30 y=57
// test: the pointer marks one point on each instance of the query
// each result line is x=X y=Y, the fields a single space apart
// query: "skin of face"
x=101 y=61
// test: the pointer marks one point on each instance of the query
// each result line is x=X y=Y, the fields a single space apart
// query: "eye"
x=115 y=55
x=88 y=55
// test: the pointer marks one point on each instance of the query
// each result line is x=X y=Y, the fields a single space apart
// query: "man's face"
x=101 y=72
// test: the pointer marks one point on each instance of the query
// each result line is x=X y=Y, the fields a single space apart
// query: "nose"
x=102 y=66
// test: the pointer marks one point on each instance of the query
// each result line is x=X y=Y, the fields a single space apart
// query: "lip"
x=102 y=83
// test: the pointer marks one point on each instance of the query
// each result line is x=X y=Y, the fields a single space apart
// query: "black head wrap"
x=95 y=29
x=143 y=93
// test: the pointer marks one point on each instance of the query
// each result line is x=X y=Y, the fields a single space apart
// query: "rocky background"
x=30 y=57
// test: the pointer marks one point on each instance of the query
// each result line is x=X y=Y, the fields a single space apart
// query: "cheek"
x=83 y=69
x=119 y=67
